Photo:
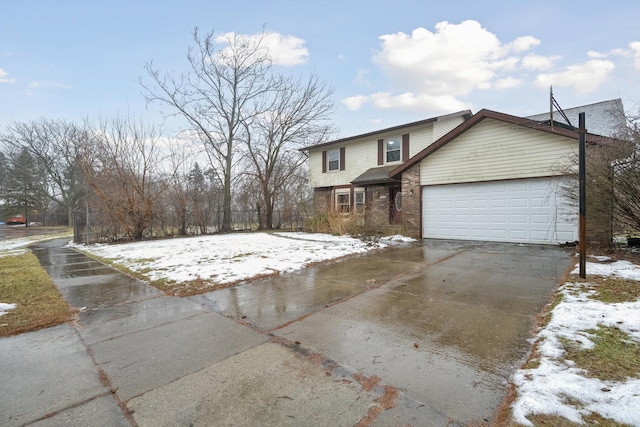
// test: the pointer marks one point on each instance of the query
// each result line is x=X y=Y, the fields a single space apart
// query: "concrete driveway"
x=425 y=334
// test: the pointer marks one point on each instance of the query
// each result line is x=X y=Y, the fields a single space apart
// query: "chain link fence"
x=92 y=227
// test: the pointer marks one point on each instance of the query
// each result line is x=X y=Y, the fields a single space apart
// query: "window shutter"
x=342 y=158
x=380 y=152
x=405 y=147
x=324 y=162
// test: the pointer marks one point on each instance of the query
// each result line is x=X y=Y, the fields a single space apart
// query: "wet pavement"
x=442 y=323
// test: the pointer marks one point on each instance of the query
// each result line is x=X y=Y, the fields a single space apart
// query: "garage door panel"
x=527 y=210
x=518 y=202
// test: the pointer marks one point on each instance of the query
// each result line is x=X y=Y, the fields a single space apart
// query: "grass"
x=555 y=421
x=614 y=289
x=614 y=356
x=39 y=304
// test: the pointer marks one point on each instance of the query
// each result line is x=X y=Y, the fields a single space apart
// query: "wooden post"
x=582 y=238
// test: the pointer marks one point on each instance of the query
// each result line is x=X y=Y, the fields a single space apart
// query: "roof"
x=377 y=175
x=464 y=113
x=604 y=118
x=488 y=114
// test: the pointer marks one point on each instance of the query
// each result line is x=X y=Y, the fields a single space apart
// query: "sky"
x=389 y=62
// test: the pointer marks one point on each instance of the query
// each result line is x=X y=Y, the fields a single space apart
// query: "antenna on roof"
x=551 y=105
x=554 y=103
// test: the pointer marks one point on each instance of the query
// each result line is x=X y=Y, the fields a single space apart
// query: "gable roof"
x=464 y=113
x=488 y=114
x=604 y=118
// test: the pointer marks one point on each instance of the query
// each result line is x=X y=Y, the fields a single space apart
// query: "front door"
x=395 y=205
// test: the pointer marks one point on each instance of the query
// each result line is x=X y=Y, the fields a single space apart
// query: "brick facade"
x=411 y=202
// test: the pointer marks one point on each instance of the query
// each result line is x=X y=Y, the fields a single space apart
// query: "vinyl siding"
x=494 y=150
x=362 y=154
x=443 y=127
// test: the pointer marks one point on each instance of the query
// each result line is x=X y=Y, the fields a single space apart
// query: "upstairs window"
x=333 y=157
x=393 y=149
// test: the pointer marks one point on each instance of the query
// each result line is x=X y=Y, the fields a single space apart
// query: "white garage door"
x=526 y=210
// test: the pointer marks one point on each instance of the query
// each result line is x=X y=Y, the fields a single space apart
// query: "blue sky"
x=390 y=62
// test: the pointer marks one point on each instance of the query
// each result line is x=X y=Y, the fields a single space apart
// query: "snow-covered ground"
x=544 y=390
x=229 y=258
x=547 y=388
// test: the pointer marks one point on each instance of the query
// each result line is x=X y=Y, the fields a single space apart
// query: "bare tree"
x=215 y=96
x=613 y=182
x=298 y=116
x=124 y=170
x=56 y=145
x=625 y=174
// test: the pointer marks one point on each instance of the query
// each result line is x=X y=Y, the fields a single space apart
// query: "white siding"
x=494 y=150
x=362 y=154
x=442 y=127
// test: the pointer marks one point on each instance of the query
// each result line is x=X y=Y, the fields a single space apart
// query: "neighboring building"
x=602 y=118
x=494 y=177
x=350 y=173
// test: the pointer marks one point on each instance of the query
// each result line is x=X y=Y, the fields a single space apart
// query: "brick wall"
x=321 y=199
x=411 y=200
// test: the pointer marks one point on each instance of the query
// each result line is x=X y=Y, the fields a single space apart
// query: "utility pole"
x=582 y=238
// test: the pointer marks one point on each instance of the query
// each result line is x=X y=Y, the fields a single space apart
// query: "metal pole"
x=583 y=196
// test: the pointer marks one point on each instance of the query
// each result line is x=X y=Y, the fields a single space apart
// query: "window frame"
x=335 y=151
x=343 y=202
x=359 y=206
x=387 y=141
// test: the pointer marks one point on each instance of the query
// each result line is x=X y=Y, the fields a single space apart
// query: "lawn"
x=29 y=299
x=585 y=366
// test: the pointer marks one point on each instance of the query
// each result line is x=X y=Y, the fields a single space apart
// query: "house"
x=350 y=173
x=494 y=177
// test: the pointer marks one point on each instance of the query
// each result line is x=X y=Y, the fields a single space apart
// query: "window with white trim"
x=393 y=149
x=333 y=158
x=343 y=203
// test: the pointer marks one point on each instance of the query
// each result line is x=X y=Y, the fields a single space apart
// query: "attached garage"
x=495 y=177
x=523 y=210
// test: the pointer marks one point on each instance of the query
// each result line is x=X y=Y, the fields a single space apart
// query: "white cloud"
x=361 y=77
x=632 y=52
x=283 y=50
x=584 y=78
x=635 y=48
x=435 y=69
x=35 y=86
x=522 y=44
x=407 y=101
x=538 y=62
x=46 y=84
x=596 y=54
x=508 y=83
x=4 y=77
x=355 y=102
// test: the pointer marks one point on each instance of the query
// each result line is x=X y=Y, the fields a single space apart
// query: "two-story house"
x=489 y=176
x=350 y=173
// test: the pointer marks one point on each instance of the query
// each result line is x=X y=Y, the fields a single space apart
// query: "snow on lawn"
x=18 y=246
x=4 y=308
x=547 y=388
x=228 y=258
